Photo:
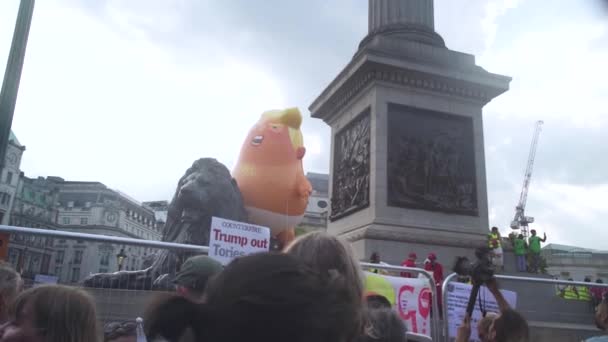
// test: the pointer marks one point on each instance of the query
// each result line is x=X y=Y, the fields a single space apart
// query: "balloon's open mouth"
x=257 y=140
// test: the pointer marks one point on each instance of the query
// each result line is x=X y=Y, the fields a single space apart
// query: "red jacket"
x=437 y=270
x=408 y=263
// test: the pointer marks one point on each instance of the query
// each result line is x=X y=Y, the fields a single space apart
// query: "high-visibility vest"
x=570 y=292
x=519 y=247
x=583 y=293
x=493 y=240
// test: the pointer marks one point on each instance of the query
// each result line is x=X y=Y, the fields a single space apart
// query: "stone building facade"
x=33 y=207
x=315 y=216
x=576 y=262
x=9 y=177
x=93 y=208
x=85 y=207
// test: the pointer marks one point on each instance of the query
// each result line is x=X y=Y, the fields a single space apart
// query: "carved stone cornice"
x=422 y=81
x=370 y=233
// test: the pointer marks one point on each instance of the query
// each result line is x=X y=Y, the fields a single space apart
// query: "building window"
x=77 y=257
x=58 y=271
x=66 y=220
x=59 y=257
x=9 y=178
x=75 y=274
x=105 y=260
x=84 y=221
x=4 y=198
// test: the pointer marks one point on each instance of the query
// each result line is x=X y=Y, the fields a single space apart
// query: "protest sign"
x=410 y=297
x=45 y=279
x=458 y=298
x=230 y=239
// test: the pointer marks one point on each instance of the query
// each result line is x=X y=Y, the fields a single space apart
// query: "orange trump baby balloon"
x=269 y=173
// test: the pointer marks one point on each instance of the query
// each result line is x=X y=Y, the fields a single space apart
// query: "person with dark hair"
x=584 y=292
x=495 y=246
x=508 y=326
x=534 y=243
x=192 y=278
x=601 y=321
x=436 y=269
x=375 y=259
x=383 y=325
x=409 y=262
x=120 y=332
x=262 y=297
x=376 y=301
x=51 y=313
x=519 y=249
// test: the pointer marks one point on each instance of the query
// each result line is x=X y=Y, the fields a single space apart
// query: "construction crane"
x=521 y=221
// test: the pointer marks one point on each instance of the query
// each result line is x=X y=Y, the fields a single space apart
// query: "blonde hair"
x=326 y=253
x=292 y=118
x=10 y=281
x=10 y=285
x=62 y=313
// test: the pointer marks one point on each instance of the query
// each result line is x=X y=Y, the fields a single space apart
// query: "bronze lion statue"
x=207 y=189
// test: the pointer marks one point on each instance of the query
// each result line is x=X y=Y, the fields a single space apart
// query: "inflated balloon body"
x=270 y=176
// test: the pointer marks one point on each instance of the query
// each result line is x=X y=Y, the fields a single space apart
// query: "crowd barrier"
x=115 y=304
x=436 y=330
x=542 y=303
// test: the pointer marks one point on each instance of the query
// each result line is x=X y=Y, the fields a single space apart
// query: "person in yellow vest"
x=584 y=294
x=495 y=245
x=375 y=259
x=569 y=292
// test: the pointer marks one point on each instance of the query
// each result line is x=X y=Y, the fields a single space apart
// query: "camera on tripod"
x=480 y=272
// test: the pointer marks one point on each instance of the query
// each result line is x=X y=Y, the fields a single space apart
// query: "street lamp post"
x=12 y=75
x=120 y=258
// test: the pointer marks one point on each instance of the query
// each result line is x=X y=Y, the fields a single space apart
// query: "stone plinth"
x=407 y=154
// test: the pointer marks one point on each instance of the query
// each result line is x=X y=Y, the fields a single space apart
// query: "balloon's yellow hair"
x=291 y=118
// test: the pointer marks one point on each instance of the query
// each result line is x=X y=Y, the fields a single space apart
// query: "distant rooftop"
x=557 y=248
x=319 y=182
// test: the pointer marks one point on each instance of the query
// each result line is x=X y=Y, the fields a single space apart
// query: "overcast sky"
x=130 y=93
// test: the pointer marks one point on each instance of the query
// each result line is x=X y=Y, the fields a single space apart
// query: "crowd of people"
x=313 y=291
x=527 y=253
x=591 y=294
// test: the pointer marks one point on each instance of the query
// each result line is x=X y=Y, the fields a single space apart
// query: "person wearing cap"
x=436 y=269
x=192 y=278
x=409 y=262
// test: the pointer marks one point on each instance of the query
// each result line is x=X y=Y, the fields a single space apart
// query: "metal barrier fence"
x=117 y=304
x=541 y=303
x=435 y=321
x=52 y=256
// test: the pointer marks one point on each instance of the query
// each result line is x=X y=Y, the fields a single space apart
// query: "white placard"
x=458 y=298
x=230 y=239
x=45 y=279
